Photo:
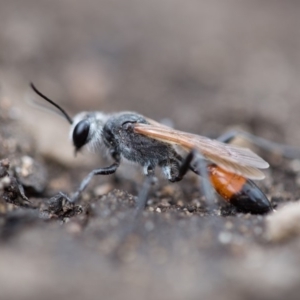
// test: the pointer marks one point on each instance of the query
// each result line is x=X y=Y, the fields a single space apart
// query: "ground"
x=204 y=66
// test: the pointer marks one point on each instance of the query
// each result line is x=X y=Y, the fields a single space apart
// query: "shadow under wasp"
x=130 y=136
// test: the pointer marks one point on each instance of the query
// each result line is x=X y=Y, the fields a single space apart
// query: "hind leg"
x=285 y=150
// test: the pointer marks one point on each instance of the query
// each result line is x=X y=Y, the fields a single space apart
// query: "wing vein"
x=235 y=159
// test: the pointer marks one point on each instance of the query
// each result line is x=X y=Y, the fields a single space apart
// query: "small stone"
x=225 y=237
x=26 y=166
x=149 y=226
x=74 y=228
x=165 y=203
x=6 y=181
x=180 y=203
x=295 y=165
x=103 y=189
x=284 y=223
x=31 y=174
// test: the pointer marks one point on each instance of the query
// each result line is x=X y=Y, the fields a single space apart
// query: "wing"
x=234 y=159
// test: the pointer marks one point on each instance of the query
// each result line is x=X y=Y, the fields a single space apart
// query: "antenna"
x=69 y=119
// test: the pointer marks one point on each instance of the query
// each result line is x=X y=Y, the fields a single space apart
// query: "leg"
x=200 y=169
x=285 y=150
x=185 y=166
x=175 y=169
x=140 y=205
x=103 y=171
x=144 y=192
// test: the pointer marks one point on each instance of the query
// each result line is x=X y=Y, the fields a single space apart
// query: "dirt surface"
x=206 y=66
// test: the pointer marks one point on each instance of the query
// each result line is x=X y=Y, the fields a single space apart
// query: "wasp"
x=133 y=137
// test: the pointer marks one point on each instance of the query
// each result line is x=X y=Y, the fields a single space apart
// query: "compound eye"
x=80 y=133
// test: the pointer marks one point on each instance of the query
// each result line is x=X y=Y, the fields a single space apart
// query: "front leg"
x=102 y=171
x=85 y=182
x=62 y=205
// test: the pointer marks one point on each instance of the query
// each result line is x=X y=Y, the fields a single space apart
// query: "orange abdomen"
x=238 y=190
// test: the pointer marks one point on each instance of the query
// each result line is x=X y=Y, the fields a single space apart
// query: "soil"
x=206 y=67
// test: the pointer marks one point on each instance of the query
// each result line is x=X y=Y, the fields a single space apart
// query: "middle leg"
x=194 y=161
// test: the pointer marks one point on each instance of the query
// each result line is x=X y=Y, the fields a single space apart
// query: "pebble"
x=103 y=189
x=295 y=165
x=284 y=223
x=4 y=182
x=180 y=203
x=26 y=166
x=225 y=237
x=149 y=226
x=31 y=174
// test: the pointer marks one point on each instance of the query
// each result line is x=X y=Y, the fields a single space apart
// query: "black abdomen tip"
x=251 y=199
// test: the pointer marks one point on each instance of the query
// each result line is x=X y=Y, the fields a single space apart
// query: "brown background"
x=204 y=64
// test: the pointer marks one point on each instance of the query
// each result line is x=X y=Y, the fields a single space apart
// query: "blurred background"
x=207 y=65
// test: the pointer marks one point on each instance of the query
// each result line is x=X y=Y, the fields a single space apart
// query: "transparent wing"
x=235 y=159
